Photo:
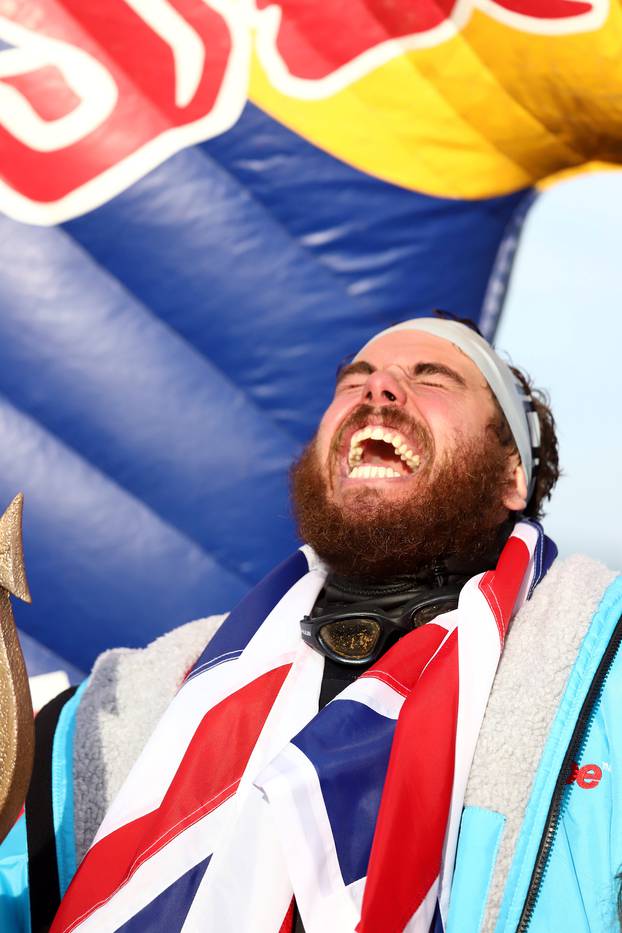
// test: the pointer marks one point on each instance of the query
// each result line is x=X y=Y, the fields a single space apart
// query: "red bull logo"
x=94 y=96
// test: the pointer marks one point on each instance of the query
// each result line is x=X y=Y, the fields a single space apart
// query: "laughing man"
x=411 y=724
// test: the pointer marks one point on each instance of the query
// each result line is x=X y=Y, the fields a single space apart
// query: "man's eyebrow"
x=438 y=369
x=353 y=368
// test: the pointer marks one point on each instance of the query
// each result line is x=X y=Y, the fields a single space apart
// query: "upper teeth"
x=405 y=453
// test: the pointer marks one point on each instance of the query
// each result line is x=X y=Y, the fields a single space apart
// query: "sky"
x=562 y=322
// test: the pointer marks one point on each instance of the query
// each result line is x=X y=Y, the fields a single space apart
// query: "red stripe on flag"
x=410 y=832
x=400 y=668
x=288 y=922
x=208 y=774
x=501 y=586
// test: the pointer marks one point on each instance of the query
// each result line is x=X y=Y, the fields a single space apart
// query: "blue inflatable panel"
x=103 y=568
x=230 y=245
x=166 y=355
x=41 y=660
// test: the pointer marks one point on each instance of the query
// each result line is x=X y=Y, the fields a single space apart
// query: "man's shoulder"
x=131 y=687
x=574 y=585
x=126 y=694
x=161 y=665
x=554 y=622
x=542 y=647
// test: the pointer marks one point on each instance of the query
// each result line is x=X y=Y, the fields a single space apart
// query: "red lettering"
x=546 y=9
x=574 y=770
x=314 y=40
x=589 y=776
x=155 y=86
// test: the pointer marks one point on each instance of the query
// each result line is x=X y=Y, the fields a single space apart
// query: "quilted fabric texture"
x=205 y=207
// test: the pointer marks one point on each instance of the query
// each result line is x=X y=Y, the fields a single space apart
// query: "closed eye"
x=446 y=374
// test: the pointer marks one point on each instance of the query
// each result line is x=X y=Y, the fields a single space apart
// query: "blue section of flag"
x=349 y=745
x=549 y=553
x=544 y=554
x=437 y=921
x=236 y=632
x=170 y=908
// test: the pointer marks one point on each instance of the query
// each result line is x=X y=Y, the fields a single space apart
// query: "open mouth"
x=377 y=452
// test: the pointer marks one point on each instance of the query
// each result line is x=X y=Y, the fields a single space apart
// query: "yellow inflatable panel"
x=486 y=102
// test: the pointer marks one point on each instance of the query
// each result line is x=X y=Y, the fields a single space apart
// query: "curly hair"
x=548 y=470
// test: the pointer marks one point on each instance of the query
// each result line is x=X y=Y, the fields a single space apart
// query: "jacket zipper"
x=579 y=734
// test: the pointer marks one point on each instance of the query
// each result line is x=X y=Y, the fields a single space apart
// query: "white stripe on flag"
x=257 y=895
x=295 y=705
x=281 y=630
x=479 y=650
x=306 y=835
x=375 y=694
x=356 y=890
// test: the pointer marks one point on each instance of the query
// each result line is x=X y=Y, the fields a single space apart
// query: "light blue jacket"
x=560 y=867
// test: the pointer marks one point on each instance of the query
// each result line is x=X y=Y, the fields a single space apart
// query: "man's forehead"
x=407 y=348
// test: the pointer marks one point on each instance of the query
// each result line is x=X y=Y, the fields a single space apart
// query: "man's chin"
x=384 y=528
x=358 y=495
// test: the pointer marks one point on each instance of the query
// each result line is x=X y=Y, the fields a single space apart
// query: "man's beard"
x=457 y=514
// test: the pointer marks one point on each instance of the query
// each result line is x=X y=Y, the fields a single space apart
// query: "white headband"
x=515 y=404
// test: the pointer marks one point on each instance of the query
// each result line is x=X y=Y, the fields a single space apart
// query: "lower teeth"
x=374 y=472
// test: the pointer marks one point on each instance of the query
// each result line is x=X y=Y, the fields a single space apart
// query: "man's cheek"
x=450 y=423
x=322 y=445
x=327 y=429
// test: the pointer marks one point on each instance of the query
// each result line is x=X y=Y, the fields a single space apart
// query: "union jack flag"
x=245 y=797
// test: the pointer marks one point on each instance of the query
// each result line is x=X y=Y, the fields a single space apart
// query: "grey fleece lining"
x=539 y=654
x=128 y=691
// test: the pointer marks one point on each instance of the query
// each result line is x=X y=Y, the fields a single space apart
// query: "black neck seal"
x=354 y=622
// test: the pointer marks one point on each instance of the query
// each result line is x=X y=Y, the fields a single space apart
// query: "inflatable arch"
x=204 y=206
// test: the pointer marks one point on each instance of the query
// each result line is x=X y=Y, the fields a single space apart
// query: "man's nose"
x=382 y=387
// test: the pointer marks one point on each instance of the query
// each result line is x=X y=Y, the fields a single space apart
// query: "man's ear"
x=515 y=496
